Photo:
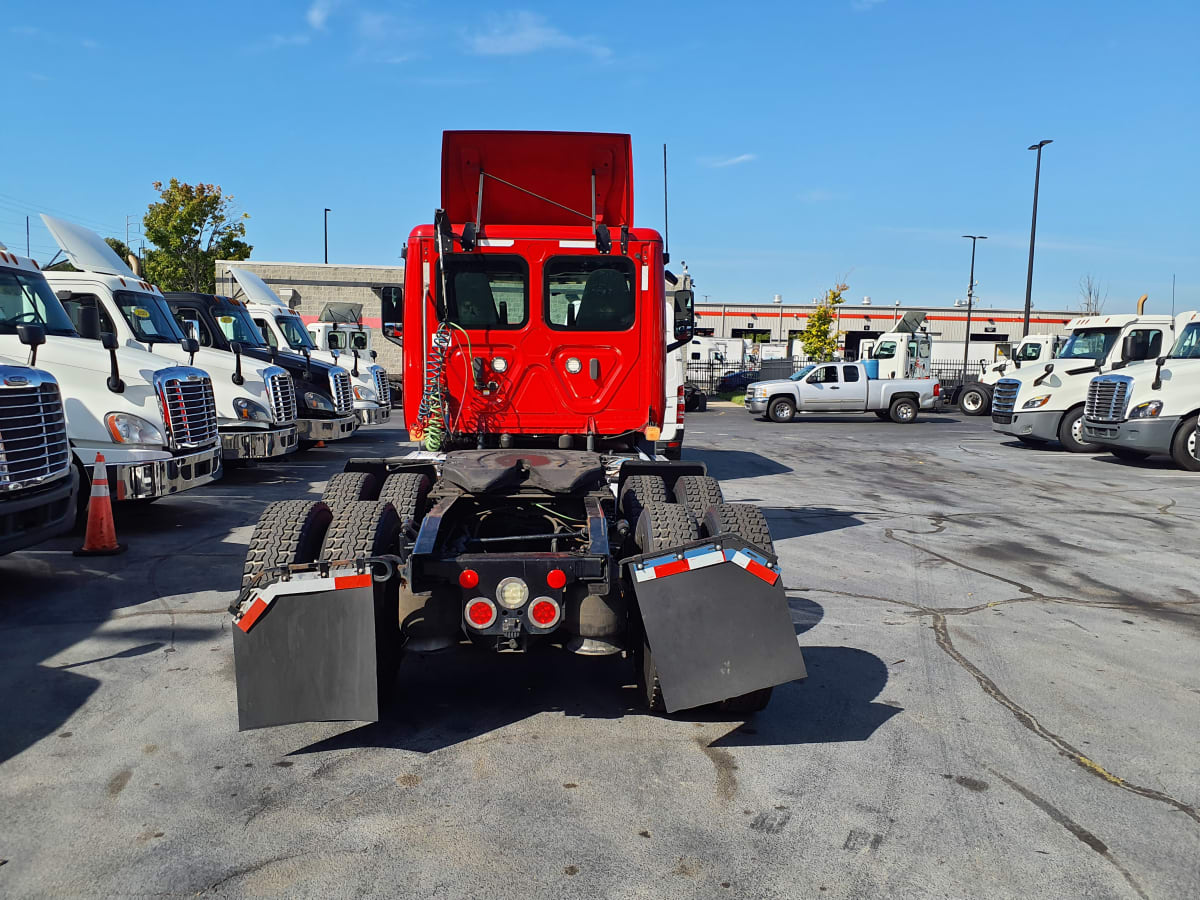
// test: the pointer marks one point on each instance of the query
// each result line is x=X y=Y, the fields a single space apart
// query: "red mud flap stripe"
x=299 y=584
x=702 y=557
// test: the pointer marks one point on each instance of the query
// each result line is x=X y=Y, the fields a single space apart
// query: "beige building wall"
x=307 y=287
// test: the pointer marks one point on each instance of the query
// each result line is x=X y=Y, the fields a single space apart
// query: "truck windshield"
x=590 y=293
x=885 y=350
x=235 y=323
x=1089 y=343
x=1027 y=352
x=28 y=300
x=486 y=290
x=799 y=375
x=293 y=332
x=1188 y=345
x=340 y=339
x=148 y=317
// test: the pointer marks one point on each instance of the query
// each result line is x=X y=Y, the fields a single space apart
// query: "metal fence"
x=718 y=377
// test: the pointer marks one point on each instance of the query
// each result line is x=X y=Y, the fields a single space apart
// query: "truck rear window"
x=486 y=290
x=590 y=293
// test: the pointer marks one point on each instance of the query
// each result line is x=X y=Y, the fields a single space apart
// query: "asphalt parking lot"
x=1003 y=700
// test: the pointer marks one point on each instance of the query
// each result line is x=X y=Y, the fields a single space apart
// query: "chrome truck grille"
x=185 y=399
x=343 y=393
x=33 y=429
x=1107 y=397
x=382 y=388
x=1004 y=396
x=282 y=394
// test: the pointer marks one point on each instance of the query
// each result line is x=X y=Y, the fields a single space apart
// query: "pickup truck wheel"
x=346 y=486
x=288 y=532
x=1070 y=433
x=698 y=493
x=660 y=525
x=781 y=409
x=407 y=492
x=903 y=411
x=638 y=491
x=1183 y=446
x=975 y=400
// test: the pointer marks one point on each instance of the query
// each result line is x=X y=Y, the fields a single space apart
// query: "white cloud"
x=865 y=5
x=522 y=32
x=318 y=13
x=732 y=161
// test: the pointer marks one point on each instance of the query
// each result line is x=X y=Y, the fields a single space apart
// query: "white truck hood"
x=85 y=249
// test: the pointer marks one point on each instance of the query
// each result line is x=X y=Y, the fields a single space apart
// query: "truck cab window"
x=358 y=340
x=267 y=333
x=78 y=303
x=590 y=293
x=337 y=340
x=147 y=316
x=824 y=375
x=486 y=290
x=185 y=314
x=850 y=373
x=25 y=300
x=1188 y=345
x=1089 y=343
x=1147 y=343
x=1029 y=352
x=293 y=332
x=885 y=350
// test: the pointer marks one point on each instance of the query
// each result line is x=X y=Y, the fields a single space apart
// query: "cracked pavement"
x=1003 y=700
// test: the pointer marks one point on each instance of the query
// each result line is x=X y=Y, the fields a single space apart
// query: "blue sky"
x=809 y=141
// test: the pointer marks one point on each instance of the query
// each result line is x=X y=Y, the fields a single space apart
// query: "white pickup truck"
x=842 y=387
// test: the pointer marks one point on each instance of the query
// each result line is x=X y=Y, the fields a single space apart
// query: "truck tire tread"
x=743 y=519
x=406 y=491
x=640 y=490
x=348 y=486
x=896 y=416
x=288 y=532
x=361 y=528
x=698 y=493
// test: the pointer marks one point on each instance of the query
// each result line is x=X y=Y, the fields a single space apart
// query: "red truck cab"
x=532 y=306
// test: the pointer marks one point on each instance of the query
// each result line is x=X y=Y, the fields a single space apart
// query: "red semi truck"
x=535 y=341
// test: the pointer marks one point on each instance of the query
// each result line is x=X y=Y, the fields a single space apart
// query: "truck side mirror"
x=1128 y=348
x=684 y=319
x=391 y=303
x=89 y=322
x=190 y=346
x=32 y=336
x=236 y=347
x=109 y=342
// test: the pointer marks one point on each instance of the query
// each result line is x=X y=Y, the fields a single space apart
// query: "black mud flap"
x=716 y=620
x=305 y=655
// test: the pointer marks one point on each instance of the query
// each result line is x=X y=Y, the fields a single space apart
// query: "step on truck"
x=155 y=423
x=323 y=392
x=1151 y=408
x=1042 y=403
x=974 y=398
x=555 y=525
x=283 y=329
x=38 y=484
x=842 y=387
x=255 y=403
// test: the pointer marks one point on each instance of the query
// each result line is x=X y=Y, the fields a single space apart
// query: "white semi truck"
x=1151 y=407
x=975 y=397
x=38 y=484
x=255 y=403
x=282 y=328
x=155 y=423
x=1041 y=403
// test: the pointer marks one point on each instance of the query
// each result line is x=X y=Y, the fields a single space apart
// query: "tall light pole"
x=328 y=211
x=970 y=298
x=1037 y=176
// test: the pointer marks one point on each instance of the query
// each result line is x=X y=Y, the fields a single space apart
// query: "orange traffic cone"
x=101 y=537
x=319 y=444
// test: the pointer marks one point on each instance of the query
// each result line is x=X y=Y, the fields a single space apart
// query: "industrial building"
x=993 y=331
x=307 y=287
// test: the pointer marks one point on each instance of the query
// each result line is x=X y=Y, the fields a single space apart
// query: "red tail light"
x=481 y=612
x=544 y=612
x=937 y=389
x=555 y=579
x=468 y=578
x=680 y=405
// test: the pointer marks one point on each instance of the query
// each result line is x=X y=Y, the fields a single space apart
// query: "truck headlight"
x=130 y=429
x=1148 y=410
x=1035 y=402
x=249 y=411
x=313 y=400
x=362 y=392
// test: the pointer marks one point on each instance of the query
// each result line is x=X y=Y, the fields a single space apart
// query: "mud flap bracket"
x=716 y=619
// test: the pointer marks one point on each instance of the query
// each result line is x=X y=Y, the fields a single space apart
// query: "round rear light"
x=481 y=612
x=555 y=579
x=544 y=612
x=500 y=364
x=574 y=366
x=468 y=578
x=512 y=593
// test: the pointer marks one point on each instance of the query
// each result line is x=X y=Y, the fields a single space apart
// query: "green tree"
x=191 y=227
x=819 y=343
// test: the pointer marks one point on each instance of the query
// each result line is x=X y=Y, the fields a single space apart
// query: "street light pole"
x=970 y=299
x=1037 y=177
x=327 y=212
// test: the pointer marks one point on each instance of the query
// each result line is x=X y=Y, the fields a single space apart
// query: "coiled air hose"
x=432 y=412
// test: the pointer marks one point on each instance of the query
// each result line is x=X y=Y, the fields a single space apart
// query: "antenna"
x=666 y=221
x=1172 y=293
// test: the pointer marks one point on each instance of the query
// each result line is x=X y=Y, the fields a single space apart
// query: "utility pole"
x=970 y=299
x=327 y=212
x=27 y=253
x=1037 y=176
